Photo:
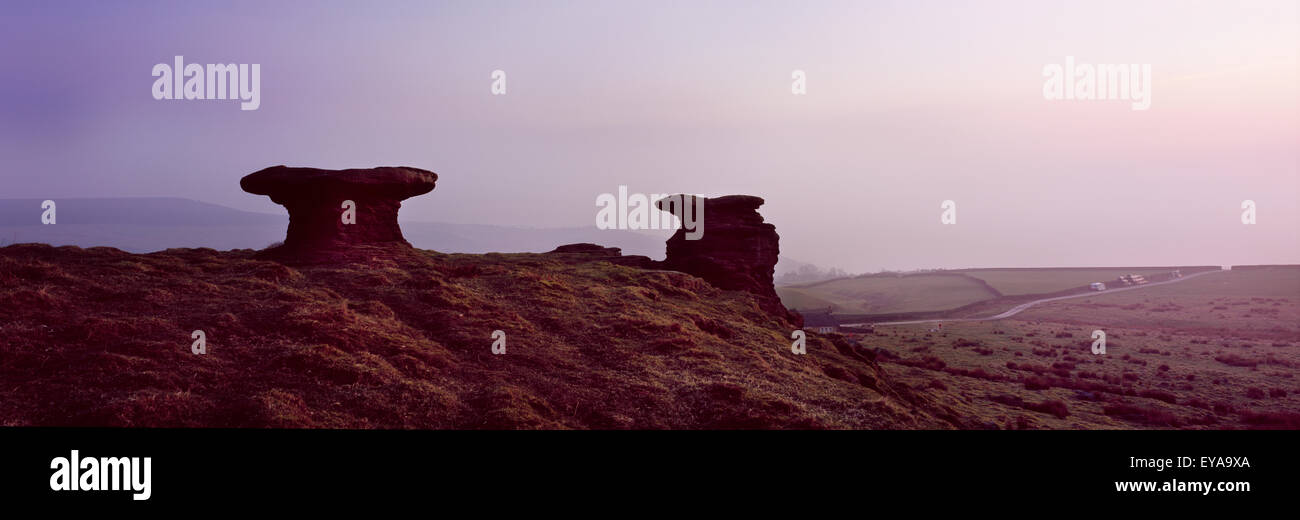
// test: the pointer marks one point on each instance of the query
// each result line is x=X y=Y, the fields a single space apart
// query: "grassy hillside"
x=879 y=294
x=402 y=339
x=801 y=298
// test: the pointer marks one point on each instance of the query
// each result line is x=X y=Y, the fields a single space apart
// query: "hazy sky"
x=908 y=104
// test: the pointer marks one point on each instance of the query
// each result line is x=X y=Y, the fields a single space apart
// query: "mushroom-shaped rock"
x=332 y=209
x=733 y=250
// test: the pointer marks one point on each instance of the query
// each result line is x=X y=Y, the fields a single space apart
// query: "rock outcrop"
x=586 y=251
x=318 y=204
x=737 y=250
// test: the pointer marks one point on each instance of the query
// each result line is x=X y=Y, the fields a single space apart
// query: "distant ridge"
x=147 y=224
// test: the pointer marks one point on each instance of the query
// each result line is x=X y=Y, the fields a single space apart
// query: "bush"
x=1255 y=393
x=1235 y=360
x=1147 y=416
x=1159 y=395
x=1272 y=420
x=1056 y=408
x=1037 y=383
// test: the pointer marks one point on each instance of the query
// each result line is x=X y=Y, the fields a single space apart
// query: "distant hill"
x=140 y=225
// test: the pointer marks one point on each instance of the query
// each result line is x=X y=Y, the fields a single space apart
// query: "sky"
x=907 y=104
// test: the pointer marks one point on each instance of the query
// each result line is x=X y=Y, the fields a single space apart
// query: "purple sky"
x=908 y=104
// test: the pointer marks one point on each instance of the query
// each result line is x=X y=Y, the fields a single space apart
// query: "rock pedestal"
x=737 y=251
x=316 y=200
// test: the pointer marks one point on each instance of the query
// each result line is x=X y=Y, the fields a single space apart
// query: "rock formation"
x=317 y=201
x=587 y=248
x=587 y=251
x=737 y=251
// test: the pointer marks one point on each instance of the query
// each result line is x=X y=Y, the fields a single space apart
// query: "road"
x=1020 y=308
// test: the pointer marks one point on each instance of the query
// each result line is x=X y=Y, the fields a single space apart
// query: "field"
x=799 y=298
x=1014 y=282
x=947 y=290
x=1219 y=351
x=881 y=294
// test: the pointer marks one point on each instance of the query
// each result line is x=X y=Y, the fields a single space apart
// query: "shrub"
x=1272 y=420
x=1056 y=408
x=1159 y=395
x=1235 y=360
x=1148 y=416
x=1037 y=383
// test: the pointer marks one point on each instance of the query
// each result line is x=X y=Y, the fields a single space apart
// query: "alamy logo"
x=50 y=213
x=1098 y=82
x=102 y=474
x=1099 y=342
x=498 y=342
x=349 y=212
x=498 y=82
x=949 y=215
x=1248 y=212
x=200 y=345
x=215 y=81
x=633 y=212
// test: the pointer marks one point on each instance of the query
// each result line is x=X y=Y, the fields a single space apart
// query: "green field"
x=798 y=298
x=888 y=294
x=946 y=290
x=1015 y=282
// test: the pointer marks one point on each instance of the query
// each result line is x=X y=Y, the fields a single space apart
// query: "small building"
x=820 y=322
x=1097 y=286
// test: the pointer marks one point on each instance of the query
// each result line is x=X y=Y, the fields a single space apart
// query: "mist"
x=904 y=109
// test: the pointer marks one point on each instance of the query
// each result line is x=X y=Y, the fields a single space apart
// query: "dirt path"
x=1020 y=308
